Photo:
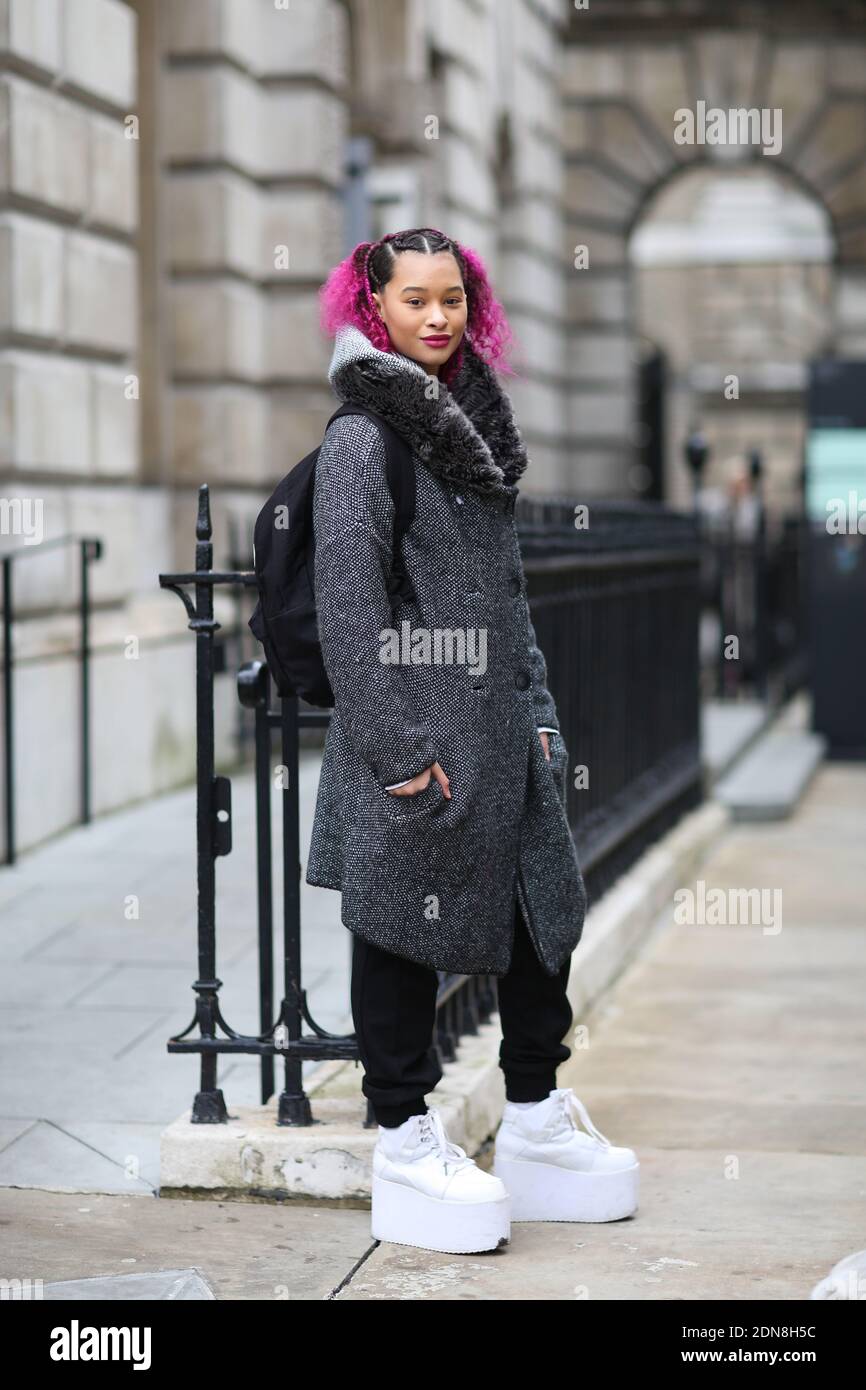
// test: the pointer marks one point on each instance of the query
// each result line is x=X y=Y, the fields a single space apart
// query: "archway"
x=732 y=278
x=629 y=70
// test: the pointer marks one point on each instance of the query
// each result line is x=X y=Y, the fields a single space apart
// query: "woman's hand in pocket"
x=423 y=780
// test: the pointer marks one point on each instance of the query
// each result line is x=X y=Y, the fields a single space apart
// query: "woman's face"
x=423 y=307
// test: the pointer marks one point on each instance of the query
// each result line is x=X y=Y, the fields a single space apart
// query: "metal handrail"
x=90 y=549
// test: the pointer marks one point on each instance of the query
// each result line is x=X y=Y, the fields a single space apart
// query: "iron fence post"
x=294 y=1106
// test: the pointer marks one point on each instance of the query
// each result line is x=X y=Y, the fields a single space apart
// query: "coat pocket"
x=402 y=807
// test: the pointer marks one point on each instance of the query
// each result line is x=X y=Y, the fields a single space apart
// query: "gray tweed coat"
x=430 y=879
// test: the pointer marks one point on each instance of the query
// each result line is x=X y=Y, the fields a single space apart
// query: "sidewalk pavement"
x=731 y=1058
x=91 y=993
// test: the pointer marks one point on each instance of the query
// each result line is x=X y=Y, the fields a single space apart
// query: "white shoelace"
x=568 y=1101
x=432 y=1129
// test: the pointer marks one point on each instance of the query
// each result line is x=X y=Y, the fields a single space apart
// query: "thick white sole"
x=546 y=1192
x=408 y=1217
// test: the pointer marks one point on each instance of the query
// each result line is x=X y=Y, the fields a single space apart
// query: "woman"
x=441 y=807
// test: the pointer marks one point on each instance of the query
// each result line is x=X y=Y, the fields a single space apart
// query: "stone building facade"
x=178 y=178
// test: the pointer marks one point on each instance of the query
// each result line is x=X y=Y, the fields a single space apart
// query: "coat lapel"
x=466 y=435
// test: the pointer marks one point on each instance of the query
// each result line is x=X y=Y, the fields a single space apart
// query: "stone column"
x=69 y=383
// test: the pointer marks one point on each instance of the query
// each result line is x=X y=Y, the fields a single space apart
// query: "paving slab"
x=699 y=1233
x=769 y=779
x=48 y=1156
x=730 y=1057
x=177 y=1285
x=734 y=1063
x=99 y=953
x=727 y=729
x=241 y=1250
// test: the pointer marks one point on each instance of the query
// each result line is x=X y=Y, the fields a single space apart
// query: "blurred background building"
x=177 y=180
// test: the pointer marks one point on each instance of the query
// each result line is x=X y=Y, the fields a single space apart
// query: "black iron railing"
x=463 y=1001
x=89 y=549
x=615 y=606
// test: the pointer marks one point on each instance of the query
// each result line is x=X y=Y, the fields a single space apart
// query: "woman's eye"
x=455 y=302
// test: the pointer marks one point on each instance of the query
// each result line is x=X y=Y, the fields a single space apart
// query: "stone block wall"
x=173 y=192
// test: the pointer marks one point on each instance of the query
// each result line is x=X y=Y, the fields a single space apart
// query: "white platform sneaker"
x=556 y=1172
x=428 y=1192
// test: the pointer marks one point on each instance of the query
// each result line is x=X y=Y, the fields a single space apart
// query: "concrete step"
x=728 y=728
x=769 y=779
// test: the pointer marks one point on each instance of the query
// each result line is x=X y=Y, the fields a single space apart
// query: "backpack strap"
x=400 y=474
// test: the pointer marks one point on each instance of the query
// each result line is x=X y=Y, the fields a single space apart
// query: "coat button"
x=515 y=585
x=522 y=680
x=458 y=500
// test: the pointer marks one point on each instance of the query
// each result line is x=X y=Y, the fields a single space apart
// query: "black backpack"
x=284 y=618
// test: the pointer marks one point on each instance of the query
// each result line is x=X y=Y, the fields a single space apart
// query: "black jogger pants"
x=394 y=1013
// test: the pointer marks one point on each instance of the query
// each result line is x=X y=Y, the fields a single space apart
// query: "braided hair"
x=347 y=295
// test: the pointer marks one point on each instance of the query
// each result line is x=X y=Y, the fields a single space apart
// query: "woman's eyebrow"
x=423 y=288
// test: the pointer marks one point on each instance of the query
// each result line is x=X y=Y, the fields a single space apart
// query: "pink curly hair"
x=346 y=296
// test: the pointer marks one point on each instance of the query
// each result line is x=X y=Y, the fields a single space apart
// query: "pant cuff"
x=527 y=1088
x=393 y=1115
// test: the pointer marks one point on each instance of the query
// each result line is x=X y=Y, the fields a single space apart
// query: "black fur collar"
x=466 y=435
